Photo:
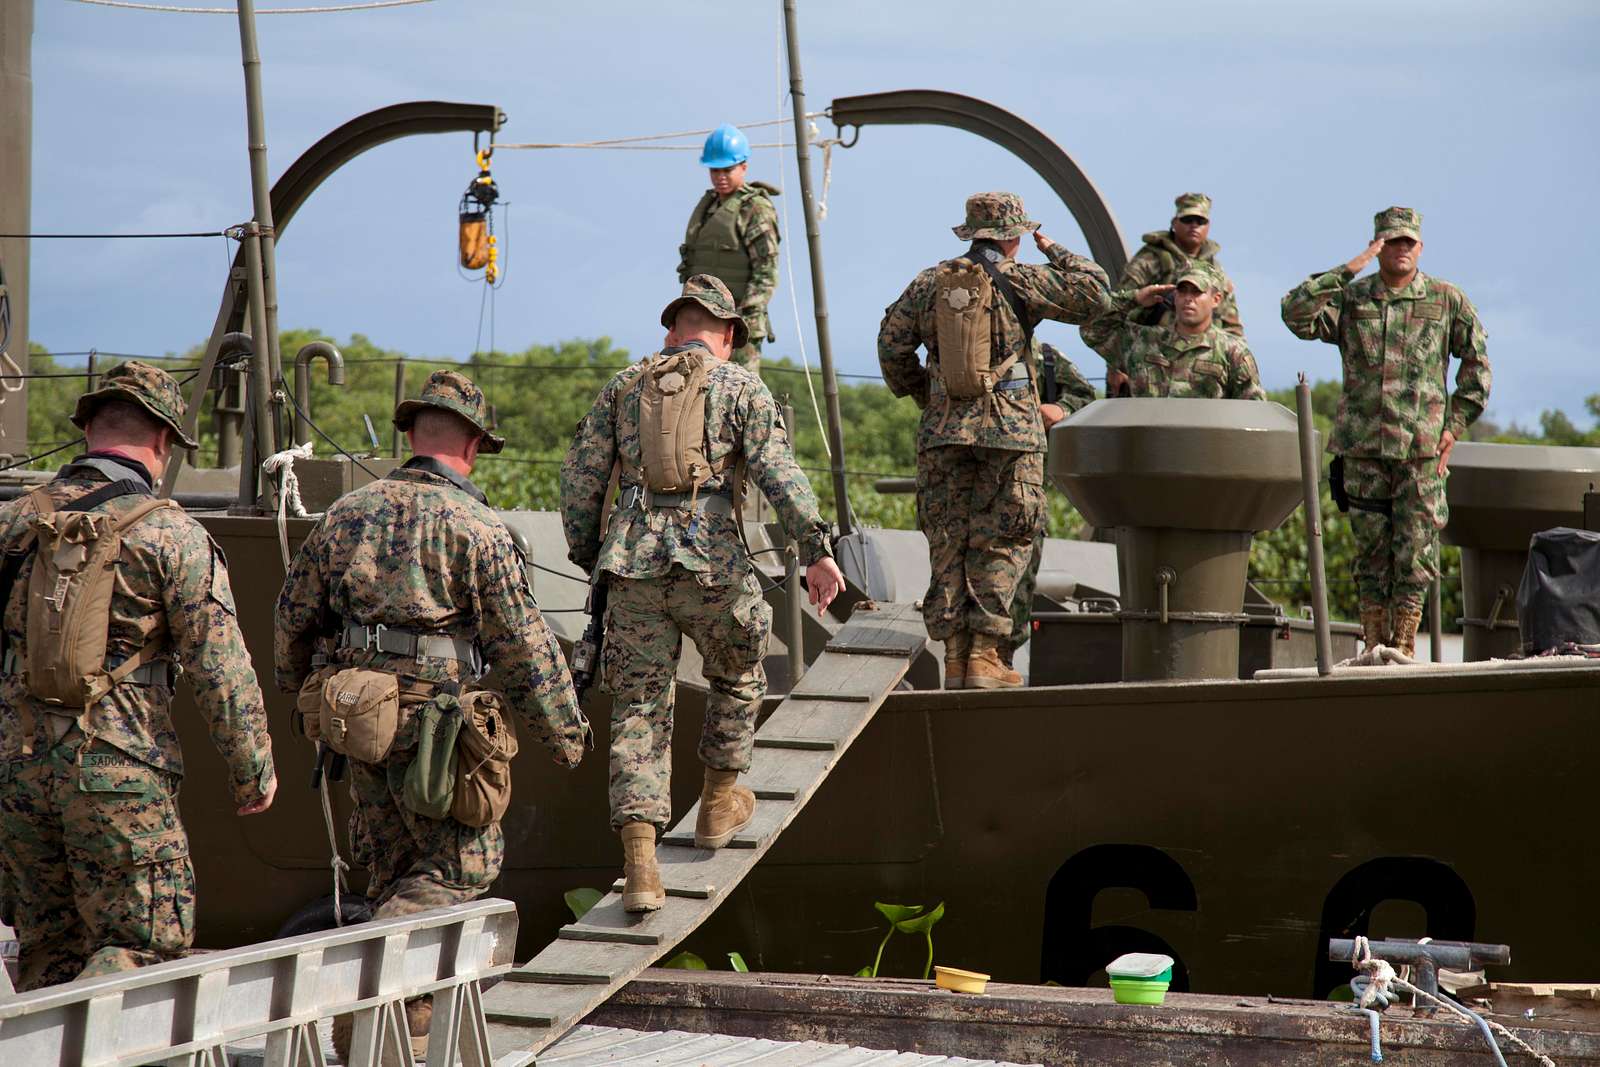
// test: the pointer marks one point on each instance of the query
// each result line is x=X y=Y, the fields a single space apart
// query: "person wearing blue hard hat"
x=733 y=235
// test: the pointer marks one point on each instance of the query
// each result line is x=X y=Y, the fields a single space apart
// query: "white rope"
x=788 y=259
x=289 y=502
x=337 y=863
x=177 y=9
x=613 y=141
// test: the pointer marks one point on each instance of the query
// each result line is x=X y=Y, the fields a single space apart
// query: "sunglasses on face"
x=1194 y=220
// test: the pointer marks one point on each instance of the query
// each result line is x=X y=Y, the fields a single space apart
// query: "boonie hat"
x=994 y=217
x=151 y=388
x=1192 y=204
x=1397 y=222
x=454 y=392
x=709 y=292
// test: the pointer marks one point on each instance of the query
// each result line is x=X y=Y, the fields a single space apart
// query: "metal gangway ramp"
x=796 y=748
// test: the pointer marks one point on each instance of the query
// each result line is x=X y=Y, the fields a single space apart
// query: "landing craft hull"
x=1238 y=824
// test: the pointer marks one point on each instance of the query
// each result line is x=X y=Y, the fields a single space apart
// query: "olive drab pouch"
x=430 y=781
x=69 y=601
x=672 y=422
x=484 y=750
x=360 y=713
x=964 y=318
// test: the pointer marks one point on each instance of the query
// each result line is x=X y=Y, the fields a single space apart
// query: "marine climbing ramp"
x=796 y=748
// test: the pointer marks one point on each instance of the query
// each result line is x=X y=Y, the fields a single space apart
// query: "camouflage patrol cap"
x=1192 y=204
x=709 y=292
x=1202 y=276
x=454 y=392
x=1397 y=222
x=139 y=383
x=994 y=217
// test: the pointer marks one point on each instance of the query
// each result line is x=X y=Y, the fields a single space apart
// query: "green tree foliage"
x=540 y=393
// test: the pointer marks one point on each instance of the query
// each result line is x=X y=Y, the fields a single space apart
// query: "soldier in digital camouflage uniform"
x=90 y=838
x=733 y=235
x=1396 y=332
x=1192 y=356
x=1072 y=391
x=1165 y=255
x=980 y=462
x=416 y=575
x=677 y=565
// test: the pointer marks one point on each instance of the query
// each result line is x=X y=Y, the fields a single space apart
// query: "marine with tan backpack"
x=404 y=602
x=981 y=442
x=681 y=430
x=109 y=595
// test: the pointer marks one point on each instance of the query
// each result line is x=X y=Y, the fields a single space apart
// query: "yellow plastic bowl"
x=953 y=978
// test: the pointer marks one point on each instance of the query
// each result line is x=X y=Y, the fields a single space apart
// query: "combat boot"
x=985 y=669
x=641 y=887
x=1375 y=625
x=957 y=647
x=419 y=1020
x=1406 y=620
x=725 y=808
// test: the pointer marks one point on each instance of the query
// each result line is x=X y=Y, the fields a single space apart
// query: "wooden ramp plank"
x=797 y=747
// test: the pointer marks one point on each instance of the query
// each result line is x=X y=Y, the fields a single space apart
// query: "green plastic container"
x=1126 y=992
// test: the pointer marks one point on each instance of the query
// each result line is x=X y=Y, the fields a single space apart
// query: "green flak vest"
x=713 y=243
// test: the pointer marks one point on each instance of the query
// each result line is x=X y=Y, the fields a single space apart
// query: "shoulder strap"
x=110 y=491
x=1002 y=283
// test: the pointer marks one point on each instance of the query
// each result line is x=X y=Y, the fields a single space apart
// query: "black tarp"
x=1559 y=601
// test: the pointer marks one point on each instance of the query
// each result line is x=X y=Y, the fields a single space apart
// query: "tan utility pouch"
x=672 y=422
x=964 y=321
x=69 y=602
x=484 y=749
x=308 y=703
x=360 y=713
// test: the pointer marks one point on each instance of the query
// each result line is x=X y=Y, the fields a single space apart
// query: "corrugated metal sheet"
x=591 y=1046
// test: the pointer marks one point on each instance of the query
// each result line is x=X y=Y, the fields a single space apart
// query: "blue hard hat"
x=726 y=147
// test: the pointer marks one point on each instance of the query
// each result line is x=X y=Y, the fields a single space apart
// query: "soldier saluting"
x=733 y=236
x=1396 y=332
x=90 y=836
x=980 y=447
x=683 y=428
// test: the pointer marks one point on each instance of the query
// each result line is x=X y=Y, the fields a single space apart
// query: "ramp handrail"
x=186 y=1012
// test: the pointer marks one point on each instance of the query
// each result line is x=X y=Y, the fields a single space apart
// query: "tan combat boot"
x=725 y=808
x=1375 y=625
x=1406 y=620
x=641 y=887
x=957 y=647
x=419 y=1020
x=985 y=669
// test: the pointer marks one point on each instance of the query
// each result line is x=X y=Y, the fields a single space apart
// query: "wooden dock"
x=796 y=748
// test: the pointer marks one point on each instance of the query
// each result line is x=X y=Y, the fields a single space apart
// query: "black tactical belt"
x=712 y=503
x=398 y=642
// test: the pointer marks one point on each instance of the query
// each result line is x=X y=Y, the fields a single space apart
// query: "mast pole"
x=264 y=284
x=819 y=293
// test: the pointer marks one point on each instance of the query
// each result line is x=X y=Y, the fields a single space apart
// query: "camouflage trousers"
x=646 y=619
x=1022 y=603
x=748 y=355
x=415 y=863
x=981 y=509
x=97 y=861
x=1397 y=555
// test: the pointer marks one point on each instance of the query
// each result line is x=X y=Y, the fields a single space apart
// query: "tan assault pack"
x=964 y=320
x=69 y=601
x=672 y=424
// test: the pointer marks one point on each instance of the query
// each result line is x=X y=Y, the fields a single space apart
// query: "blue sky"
x=1300 y=120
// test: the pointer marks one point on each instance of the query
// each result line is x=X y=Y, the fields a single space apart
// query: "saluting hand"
x=823 y=582
x=1041 y=242
x=1151 y=295
x=1359 y=264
